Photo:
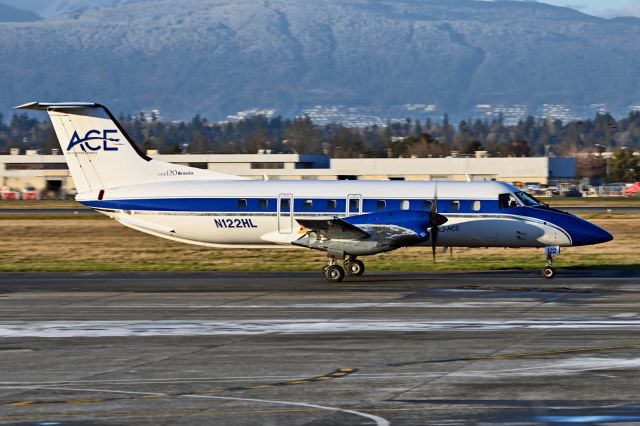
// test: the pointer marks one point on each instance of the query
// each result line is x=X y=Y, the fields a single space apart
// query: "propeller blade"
x=434 y=237
x=434 y=219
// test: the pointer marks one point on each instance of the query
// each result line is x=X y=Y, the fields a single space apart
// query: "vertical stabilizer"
x=101 y=155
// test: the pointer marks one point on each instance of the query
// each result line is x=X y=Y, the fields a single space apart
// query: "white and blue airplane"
x=345 y=219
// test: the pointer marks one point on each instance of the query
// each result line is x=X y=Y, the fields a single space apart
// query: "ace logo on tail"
x=95 y=140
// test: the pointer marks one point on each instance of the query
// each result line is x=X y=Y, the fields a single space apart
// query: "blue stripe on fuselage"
x=301 y=206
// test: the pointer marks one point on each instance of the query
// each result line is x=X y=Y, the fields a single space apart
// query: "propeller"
x=435 y=220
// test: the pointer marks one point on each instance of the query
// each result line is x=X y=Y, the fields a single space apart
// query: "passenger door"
x=285 y=213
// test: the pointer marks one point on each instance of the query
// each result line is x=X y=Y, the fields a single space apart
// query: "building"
x=49 y=173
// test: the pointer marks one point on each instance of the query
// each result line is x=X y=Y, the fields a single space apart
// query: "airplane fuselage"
x=263 y=213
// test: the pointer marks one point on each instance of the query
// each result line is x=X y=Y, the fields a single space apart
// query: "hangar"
x=49 y=173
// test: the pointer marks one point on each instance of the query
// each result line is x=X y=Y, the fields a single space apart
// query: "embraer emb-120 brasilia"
x=346 y=219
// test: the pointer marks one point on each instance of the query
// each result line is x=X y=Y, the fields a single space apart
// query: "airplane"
x=345 y=219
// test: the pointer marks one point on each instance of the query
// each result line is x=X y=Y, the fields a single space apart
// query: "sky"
x=604 y=8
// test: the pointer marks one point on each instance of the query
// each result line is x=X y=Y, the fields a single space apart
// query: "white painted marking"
x=625 y=315
x=558 y=367
x=299 y=326
x=379 y=421
x=310 y=306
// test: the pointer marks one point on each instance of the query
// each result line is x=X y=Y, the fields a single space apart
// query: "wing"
x=334 y=228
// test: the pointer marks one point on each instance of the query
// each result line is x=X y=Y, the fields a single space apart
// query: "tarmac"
x=453 y=348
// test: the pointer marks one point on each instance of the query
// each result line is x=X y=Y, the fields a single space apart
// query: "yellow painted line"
x=335 y=375
x=23 y=403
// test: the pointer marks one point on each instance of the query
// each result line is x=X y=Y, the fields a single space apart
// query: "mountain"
x=215 y=57
x=12 y=14
x=46 y=8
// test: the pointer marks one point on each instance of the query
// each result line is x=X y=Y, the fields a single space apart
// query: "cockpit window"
x=527 y=200
x=507 y=201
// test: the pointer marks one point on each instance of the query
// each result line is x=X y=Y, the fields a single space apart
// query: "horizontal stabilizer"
x=48 y=106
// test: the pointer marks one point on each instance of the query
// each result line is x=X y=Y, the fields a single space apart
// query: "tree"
x=257 y=140
x=303 y=137
x=624 y=166
x=50 y=141
x=421 y=147
x=346 y=143
x=471 y=146
x=519 y=148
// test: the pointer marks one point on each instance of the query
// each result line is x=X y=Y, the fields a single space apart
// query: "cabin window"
x=405 y=205
x=285 y=204
x=381 y=204
x=308 y=204
x=454 y=206
x=263 y=203
x=242 y=204
x=354 y=204
x=428 y=205
x=332 y=204
x=476 y=206
x=507 y=201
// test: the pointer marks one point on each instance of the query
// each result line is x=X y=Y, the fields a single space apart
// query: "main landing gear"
x=549 y=272
x=335 y=273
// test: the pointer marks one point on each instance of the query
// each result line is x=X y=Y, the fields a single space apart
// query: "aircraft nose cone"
x=586 y=233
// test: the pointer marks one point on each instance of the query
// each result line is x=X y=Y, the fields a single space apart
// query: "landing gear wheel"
x=354 y=268
x=549 y=272
x=334 y=273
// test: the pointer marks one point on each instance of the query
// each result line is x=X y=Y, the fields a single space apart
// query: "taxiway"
x=272 y=349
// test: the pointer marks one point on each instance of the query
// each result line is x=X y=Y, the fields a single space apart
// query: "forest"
x=590 y=141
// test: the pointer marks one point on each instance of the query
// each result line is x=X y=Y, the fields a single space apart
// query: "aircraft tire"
x=334 y=273
x=549 y=272
x=354 y=268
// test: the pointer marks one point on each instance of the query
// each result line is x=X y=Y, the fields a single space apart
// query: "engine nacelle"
x=369 y=233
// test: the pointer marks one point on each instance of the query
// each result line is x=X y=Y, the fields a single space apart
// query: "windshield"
x=527 y=200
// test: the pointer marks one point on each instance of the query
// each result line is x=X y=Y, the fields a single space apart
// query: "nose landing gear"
x=549 y=272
